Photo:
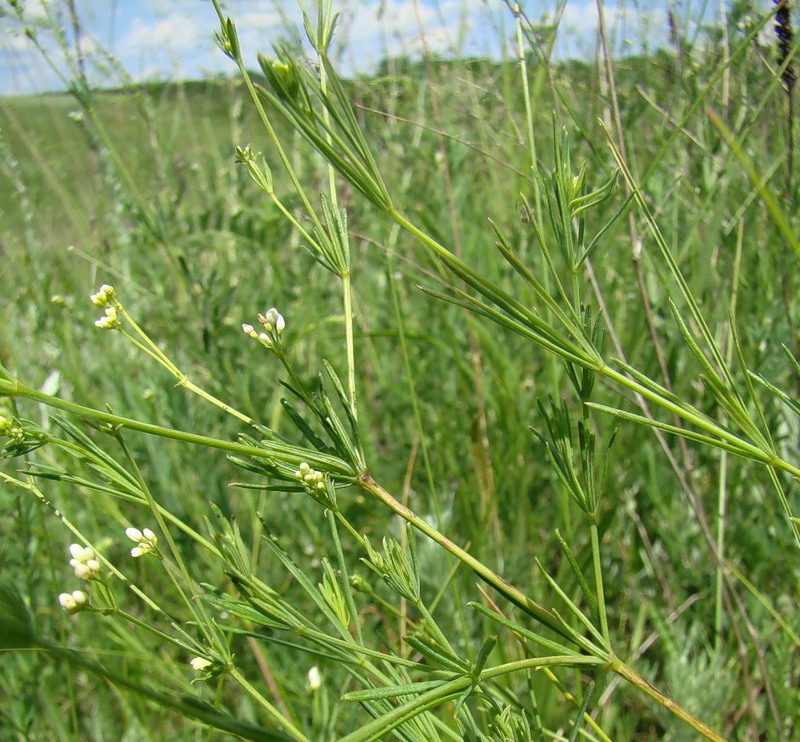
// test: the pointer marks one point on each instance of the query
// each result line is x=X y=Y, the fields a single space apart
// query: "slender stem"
x=278 y=147
x=324 y=11
x=433 y=627
x=151 y=349
x=196 y=609
x=674 y=708
x=347 y=589
x=515 y=595
x=744 y=447
x=598 y=583
x=268 y=450
x=144 y=625
x=567 y=660
x=203 y=394
x=347 y=299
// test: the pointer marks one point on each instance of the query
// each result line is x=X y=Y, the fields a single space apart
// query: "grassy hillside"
x=481 y=426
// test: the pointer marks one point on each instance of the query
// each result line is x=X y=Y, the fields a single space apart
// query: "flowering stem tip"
x=83 y=562
x=146 y=541
x=73 y=602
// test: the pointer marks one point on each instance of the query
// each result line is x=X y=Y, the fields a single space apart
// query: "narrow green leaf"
x=392 y=691
x=380 y=727
x=588 y=594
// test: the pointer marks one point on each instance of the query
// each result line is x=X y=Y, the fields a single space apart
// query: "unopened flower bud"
x=105 y=296
x=134 y=534
x=73 y=602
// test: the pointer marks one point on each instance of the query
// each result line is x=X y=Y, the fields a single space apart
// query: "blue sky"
x=172 y=39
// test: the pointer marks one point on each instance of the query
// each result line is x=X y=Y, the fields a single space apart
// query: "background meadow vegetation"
x=139 y=187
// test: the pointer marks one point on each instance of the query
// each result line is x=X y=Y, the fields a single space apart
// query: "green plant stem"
x=151 y=349
x=291 y=454
x=262 y=114
x=516 y=596
x=146 y=626
x=598 y=583
x=196 y=609
x=323 y=37
x=722 y=496
x=433 y=627
x=379 y=728
x=738 y=445
x=567 y=660
x=633 y=677
x=347 y=300
x=723 y=438
x=348 y=591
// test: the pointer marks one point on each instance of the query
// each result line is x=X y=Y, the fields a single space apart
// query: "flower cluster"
x=311 y=478
x=145 y=541
x=109 y=321
x=73 y=602
x=273 y=324
x=84 y=562
x=105 y=297
x=8 y=428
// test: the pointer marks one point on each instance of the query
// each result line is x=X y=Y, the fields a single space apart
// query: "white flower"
x=81 y=553
x=80 y=597
x=273 y=325
x=82 y=571
x=273 y=319
x=83 y=561
x=145 y=541
x=277 y=320
x=199 y=664
x=314 y=678
x=68 y=603
x=73 y=602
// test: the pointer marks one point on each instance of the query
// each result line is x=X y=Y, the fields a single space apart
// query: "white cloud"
x=259 y=19
x=174 y=37
x=175 y=33
x=582 y=18
x=372 y=30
